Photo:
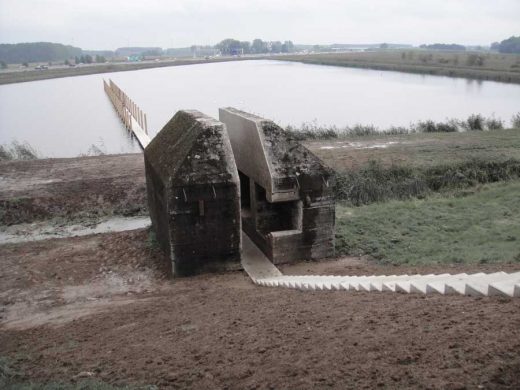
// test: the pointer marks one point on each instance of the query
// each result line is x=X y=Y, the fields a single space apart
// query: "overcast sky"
x=108 y=24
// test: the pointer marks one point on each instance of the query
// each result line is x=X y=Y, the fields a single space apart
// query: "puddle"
x=109 y=285
x=45 y=230
x=361 y=145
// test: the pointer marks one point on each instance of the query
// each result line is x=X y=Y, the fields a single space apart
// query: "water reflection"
x=65 y=117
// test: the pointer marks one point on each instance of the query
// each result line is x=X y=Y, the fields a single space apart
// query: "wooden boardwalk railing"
x=131 y=115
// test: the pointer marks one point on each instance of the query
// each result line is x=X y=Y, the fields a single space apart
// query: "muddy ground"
x=72 y=188
x=103 y=307
x=91 y=187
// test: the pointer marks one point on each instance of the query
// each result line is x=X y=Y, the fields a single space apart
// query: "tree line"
x=510 y=45
x=257 y=46
x=36 y=52
x=87 y=59
x=24 y=53
x=444 y=46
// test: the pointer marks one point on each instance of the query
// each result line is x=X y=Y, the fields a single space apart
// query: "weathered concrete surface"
x=478 y=284
x=287 y=198
x=194 y=194
x=255 y=263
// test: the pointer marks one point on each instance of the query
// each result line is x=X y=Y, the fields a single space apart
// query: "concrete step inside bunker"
x=208 y=180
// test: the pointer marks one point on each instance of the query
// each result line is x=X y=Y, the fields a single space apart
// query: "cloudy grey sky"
x=108 y=24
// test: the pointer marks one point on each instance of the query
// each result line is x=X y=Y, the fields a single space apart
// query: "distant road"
x=20 y=76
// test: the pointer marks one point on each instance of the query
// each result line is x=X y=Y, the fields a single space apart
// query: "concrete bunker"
x=194 y=194
x=287 y=201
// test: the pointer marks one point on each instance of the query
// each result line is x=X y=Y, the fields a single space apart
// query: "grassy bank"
x=429 y=197
x=477 y=226
x=380 y=168
x=481 y=66
x=475 y=122
x=418 y=150
x=9 y=77
x=375 y=183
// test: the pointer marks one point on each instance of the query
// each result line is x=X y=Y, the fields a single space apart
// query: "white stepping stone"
x=354 y=283
x=460 y=286
x=440 y=286
x=406 y=284
x=388 y=283
x=507 y=286
x=419 y=285
x=392 y=284
x=479 y=284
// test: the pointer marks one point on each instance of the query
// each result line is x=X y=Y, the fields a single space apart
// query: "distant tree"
x=88 y=59
x=510 y=45
x=67 y=62
x=152 y=52
x=444 y=46
x=495 y=46
x=77 y=60
x=3 y=65
x=276 y=47
x=287 y=47
x=258 y=46
x=100 y=59
x=36 y=52
x=229 y=47
x=515 y=121
x=25 y=64
x=246 y=47
x=384 y=46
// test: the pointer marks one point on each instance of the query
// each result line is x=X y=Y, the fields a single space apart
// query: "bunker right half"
x=287 y=200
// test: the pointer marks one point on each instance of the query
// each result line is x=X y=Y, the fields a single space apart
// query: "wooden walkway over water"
x=129 y=112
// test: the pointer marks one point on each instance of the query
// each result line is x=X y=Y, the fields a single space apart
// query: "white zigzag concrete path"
x=263 y=273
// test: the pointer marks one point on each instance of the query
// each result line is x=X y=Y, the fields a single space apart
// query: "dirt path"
x=103 y=305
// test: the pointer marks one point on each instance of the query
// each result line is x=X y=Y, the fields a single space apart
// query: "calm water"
x=64 y=117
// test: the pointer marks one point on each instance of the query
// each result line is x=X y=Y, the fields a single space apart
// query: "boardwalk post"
x=128 y=112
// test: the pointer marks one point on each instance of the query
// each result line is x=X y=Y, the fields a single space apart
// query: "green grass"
x=477 y=226
x=475 y=122
x=18 y=151
x=417 y=165
x=493 y=66
x=421 y=150
x=376 y=183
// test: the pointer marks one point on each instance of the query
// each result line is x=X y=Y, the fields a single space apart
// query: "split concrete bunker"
x=207 y=180
x=194 y=194
x=287 y=200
